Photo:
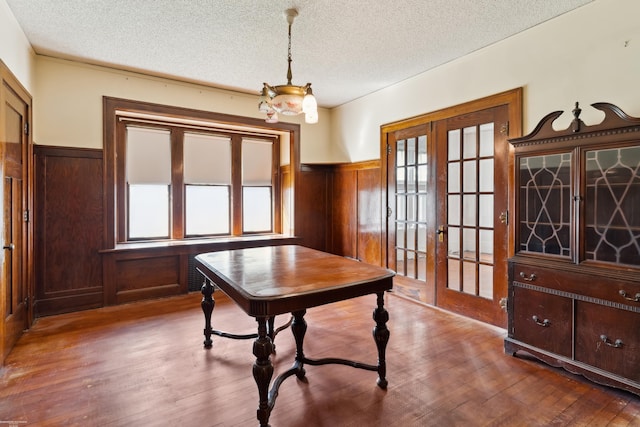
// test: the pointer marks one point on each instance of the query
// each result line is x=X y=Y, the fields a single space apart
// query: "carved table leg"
x=207 y=305
x=299 y=329
x=381 y=337
x=263 y=370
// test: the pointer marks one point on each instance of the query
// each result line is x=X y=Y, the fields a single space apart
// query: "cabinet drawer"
x=542 y=320
x=608 y=338
x=587 y=284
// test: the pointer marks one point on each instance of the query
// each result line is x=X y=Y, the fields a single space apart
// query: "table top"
x=272 y=280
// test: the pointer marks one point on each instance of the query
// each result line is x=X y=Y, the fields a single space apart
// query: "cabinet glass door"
x=545 y=204
x=612 y=205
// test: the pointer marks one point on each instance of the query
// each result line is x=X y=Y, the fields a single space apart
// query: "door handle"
x=440 y=232
x=10 y=246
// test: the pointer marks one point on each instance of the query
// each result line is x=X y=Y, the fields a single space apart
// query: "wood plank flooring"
x=143 y=364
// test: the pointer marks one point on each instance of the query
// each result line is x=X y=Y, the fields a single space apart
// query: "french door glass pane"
x=486 y=175
x=422 y=149
x=454 y=242
x=411 y=208
x=400 y=235
x=469 y=210
x=401 y=208
x=486 y=281
x=453 y=140
x=400 y=153
x=469 y=277
x=207 y=210
x=486 y=246
x=148 y=211
x=411 y=179
x=400 y=262
x=469 y=142
x=422 y=178
x=256 y=209
x=401 y=180
x=422 y=237
x=411 y=151
x=485 y=210
x=469 y=176
x=411 y=236
x=453 y=209
x=422 y=267
x=453 y=175
x=469 y=244
x=422 y=208
x=453 y=274
x=486 y=140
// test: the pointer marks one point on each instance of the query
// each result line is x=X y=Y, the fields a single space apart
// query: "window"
x=185 y=177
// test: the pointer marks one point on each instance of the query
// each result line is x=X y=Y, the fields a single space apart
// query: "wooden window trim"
x=115 y=200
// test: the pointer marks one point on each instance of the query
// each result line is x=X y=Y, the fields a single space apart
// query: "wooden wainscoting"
x=343 y=209
x=356 y=211
x=68 y=220
x=312 y=198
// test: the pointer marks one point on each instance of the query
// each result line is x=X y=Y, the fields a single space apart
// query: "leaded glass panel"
x=545 y=204
x=612 y=205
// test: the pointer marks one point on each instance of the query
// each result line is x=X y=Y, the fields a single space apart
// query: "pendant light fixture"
x=288 y=100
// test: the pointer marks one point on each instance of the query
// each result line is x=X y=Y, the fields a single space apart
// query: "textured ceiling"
x=347 y=49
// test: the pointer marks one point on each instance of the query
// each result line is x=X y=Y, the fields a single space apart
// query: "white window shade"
x=148 y=156
x=256 y=162
x=207 y=159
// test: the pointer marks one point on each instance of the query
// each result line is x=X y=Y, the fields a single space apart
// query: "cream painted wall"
x=15 y=50
x=68 y=111
x=589 y=55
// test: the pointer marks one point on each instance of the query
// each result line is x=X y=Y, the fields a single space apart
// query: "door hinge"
x=504 y=129
x=504 y=217
x=26 y=128
x=388 y=149
x=26 y=216
x=389 y=212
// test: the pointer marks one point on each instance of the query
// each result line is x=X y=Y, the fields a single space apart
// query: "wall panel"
x=68 y=222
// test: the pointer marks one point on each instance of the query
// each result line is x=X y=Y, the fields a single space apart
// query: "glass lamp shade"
x=263 y=101
x=272 y=117
x=287 y=104
x=311 y=117
x=263 y=105
x=309 y=104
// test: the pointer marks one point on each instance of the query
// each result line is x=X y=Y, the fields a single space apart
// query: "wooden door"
x=14 y=146
x=472 y=207
x=411 y=212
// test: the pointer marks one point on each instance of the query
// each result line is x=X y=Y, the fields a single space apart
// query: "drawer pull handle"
x=545 y=323
x=617 y=343
x=628 y=297
x=529 y=278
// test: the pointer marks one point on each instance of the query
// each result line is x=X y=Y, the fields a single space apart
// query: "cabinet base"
x=592 y=373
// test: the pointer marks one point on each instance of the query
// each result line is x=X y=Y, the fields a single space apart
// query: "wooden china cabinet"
x=574 y=282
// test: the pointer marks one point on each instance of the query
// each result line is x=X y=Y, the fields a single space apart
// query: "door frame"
x=10 y=82
x=510 y=98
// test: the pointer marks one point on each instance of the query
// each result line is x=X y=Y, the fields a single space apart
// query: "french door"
x=472 y=214
x=447 y=186
x=410 y=188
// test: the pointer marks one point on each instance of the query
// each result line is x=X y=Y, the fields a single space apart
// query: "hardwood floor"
x=143 y=364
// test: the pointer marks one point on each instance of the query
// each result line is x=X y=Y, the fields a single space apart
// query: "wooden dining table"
x=274 y=280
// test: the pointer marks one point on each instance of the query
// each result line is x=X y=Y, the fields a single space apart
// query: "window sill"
x=207 y=244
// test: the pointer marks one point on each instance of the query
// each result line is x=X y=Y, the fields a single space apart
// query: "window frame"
x=119 y=113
